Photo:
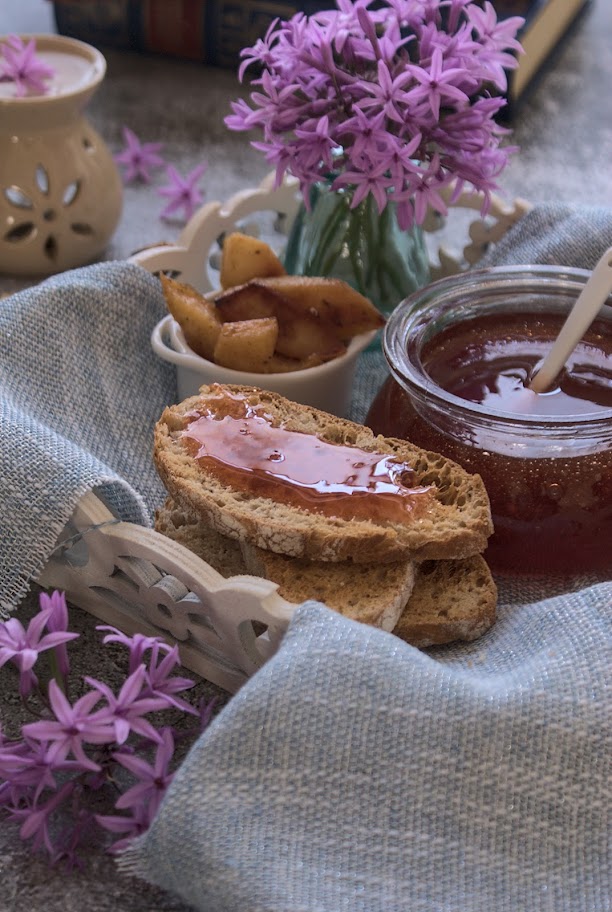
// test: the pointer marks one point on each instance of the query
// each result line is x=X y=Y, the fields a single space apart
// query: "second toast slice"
x=434 y=603
x=374 y=594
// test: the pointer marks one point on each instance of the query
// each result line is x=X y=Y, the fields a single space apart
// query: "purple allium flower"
x=437 y=85
x=126 y=711
x=55 y=774
x=26 y=767
x=72 y=727
x=36 y=819
x=498 y=38
x=153 y=778
x=182 y=192
x=19 y=64
x=341 y=93
x=57 y=623
x=159 y=682
x=139 y=158
x=137 y=644
x=205 y=712
x=162 y=661
x=23 y=646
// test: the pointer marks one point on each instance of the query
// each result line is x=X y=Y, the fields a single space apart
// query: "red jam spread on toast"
x=244 y=448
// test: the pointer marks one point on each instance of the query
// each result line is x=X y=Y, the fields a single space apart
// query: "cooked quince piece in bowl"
x=280 y=364
x=332 y=300
x=247 y=302
x=246 y=345
x=301 y=334
x=314 y=315
x=197 y=317
x=244 y=258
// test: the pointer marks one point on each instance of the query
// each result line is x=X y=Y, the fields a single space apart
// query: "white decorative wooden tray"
x=195 y=252
x=138 y=580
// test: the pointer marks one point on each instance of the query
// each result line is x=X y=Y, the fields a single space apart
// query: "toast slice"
x=440 y=602
x=451 y=600
x=443 y=511
x=223 y=554
x=372 y=593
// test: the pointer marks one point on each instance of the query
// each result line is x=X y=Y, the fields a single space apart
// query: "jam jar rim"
x=439 y=296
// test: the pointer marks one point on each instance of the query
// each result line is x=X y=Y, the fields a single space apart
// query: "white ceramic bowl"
x=328 y=386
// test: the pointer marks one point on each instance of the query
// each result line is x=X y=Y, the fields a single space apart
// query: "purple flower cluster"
x=393 y=99
x=53 y=776
x=20 y=64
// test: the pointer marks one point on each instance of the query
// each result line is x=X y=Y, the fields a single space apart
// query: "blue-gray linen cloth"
x=353 y=772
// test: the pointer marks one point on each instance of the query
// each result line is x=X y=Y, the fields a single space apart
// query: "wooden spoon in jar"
x=587 y=306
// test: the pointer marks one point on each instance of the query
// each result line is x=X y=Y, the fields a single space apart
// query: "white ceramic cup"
x=328 y=386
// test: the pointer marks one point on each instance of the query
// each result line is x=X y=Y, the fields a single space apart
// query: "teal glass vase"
x=363 y=247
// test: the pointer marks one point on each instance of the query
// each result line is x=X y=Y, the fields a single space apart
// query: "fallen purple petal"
x=139 y=158
x=182 y=192
x=20 y=64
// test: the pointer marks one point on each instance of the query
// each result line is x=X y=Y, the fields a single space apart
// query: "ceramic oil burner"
x=60 y=190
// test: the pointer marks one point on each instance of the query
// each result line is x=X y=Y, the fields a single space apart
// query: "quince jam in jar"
x=461 y=353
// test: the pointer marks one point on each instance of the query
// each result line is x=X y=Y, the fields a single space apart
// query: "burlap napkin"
x=354 y=772
x=80 y=391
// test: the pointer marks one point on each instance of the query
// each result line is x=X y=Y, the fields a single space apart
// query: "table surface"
x=564 y=131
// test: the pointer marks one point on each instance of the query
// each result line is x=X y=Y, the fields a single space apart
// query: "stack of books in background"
x=548 y=23
x=215 y=31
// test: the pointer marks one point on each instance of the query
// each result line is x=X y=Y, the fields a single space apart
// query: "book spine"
x=235 y=24
x=108 y=24
x=174 y=27
x=213 y=31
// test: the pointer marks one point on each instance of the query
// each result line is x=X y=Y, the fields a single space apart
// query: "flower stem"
x=55 y=671
x=359 y=245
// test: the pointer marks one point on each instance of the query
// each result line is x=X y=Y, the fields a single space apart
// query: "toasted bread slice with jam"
x=413 y=504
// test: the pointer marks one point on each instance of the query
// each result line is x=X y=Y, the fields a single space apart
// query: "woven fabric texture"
x=555 y=234
x=80 y=391
x=354 y=772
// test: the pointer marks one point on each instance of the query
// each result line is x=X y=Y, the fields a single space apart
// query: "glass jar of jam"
x=461 y=353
